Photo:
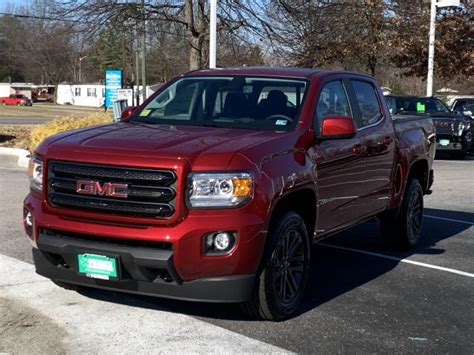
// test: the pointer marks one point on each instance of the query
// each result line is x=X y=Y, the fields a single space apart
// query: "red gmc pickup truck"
x=215 y=188
x=16 y=99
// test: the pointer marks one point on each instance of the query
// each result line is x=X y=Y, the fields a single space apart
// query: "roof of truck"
x=270 y=71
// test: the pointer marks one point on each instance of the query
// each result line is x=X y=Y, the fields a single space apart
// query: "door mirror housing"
x=338 y=127
x=127 y=112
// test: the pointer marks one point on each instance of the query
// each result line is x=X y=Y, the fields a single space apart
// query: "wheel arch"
x=420 y=171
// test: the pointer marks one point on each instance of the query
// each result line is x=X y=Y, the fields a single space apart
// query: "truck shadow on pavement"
x=334 y=271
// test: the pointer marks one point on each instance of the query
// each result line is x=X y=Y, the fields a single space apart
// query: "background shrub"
x=66 y=124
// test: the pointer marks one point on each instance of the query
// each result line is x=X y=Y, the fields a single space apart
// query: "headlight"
x=35 y=172
x=461 y=126
x=219 y=189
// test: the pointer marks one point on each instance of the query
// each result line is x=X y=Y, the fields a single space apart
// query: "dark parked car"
x=453 y=131
x=464 y=106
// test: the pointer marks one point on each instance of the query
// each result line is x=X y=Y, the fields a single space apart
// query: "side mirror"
x=338 y=127
x=127 y=112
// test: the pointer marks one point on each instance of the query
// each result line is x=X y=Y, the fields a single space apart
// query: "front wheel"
x=279 y=288
x=401 y=228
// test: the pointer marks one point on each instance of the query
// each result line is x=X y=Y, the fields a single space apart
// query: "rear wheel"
x=280 y=285
x=401 y=228
x=18 y=104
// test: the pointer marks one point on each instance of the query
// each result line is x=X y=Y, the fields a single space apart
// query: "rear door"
x=339 y=164
x=376 y=132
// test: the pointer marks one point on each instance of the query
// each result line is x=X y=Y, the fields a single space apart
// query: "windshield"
x=412 y=105
x=227 y=101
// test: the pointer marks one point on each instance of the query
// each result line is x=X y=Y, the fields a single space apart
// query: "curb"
x=22 y=154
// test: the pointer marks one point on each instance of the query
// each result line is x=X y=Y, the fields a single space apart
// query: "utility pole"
x=213 y=34
x=143 y=52
x=137 y=69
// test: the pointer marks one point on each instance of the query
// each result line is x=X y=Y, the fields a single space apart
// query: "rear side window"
x=332 y=101
x=368 y=103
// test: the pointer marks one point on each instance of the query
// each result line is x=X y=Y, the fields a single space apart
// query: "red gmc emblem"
x=87 y=187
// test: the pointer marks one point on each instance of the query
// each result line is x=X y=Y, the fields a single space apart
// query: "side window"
x=391 y=104
x=332 y=101
x=368 y=103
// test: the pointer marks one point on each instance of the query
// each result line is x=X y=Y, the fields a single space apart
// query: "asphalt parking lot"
x=362 y=298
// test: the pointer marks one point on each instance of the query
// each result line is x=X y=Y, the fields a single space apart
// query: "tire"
x=67 y=286
x=459 y=155
x=18 y=104
x=4 y=103
x=401 y=228
x=283 y=275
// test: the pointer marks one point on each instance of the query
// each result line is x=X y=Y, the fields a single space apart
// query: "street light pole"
x=80 y=68
x=431 y=49
x=143 y=52
x=212 y=34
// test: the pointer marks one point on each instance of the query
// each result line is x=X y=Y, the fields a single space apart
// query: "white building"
x=81 y=94
x=6 y=89
x=92 y=95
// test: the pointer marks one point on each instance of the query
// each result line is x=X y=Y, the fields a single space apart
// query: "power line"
x=44 y=18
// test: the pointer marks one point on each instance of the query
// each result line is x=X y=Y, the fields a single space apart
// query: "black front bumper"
x=456 y=143
x=144 y=271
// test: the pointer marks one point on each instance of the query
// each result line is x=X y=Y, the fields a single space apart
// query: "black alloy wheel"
x=401 y=228
x=281 y=280
x=288 y=267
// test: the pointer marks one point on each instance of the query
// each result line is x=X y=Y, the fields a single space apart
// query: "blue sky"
x=15 y=3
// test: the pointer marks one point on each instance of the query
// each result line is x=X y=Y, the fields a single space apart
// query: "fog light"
x=219 y=242
x=458 y=146
x=222 y=241
x=29 y=220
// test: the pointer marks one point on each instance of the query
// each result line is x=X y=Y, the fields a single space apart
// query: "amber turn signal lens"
x=242 y=187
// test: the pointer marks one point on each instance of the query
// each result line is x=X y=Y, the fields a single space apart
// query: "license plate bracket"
x=98 y=266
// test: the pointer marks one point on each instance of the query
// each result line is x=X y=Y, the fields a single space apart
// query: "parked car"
x=214 y=189
x=16 y=99
x=464 y=106
x=454 y=132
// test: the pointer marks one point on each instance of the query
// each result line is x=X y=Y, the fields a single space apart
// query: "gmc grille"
x=150 y=193
x=445 y=127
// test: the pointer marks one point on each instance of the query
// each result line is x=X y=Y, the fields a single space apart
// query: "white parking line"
x=449 y=219
x=454 y=271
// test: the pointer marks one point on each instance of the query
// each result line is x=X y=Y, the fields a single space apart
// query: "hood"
x=207 y=146
x=445 y=116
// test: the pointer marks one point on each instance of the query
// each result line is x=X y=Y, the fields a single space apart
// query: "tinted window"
x=227 y=101
x=464 y=105
x=391 y=104
x=368 y=103
x=332 y=102
x=412 y=105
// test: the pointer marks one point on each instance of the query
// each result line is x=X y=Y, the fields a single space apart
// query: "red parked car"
x=16 y=99
x=215 y=188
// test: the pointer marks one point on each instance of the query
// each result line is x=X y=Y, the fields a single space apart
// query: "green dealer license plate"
x=97 y=266
x=444 y=142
